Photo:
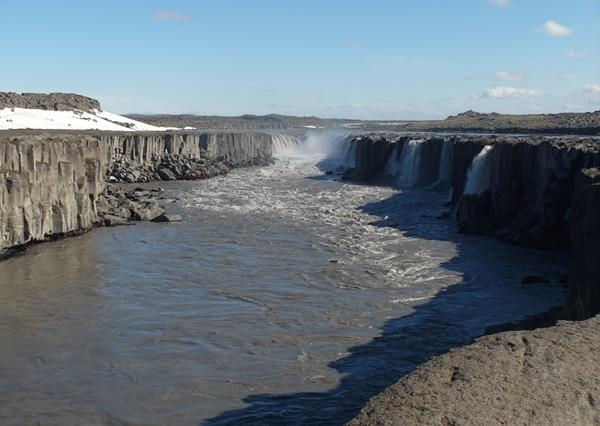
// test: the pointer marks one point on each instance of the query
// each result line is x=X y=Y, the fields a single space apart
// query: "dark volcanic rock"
x=372 y=154
x=529 y=194
x=583 y=298
x=117 y=207
x=168 y=218
x=50 y=101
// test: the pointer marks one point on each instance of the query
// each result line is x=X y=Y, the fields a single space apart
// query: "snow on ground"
x=22 y=118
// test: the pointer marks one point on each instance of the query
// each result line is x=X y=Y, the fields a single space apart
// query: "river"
x=286 y=296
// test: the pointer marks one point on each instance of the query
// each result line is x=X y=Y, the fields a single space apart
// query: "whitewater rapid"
x=296 y=192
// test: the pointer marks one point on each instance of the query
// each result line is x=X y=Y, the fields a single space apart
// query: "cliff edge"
x=542 y=377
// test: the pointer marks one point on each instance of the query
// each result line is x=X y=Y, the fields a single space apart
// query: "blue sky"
x=377 y=59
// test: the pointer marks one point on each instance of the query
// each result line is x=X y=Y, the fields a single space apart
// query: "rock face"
x=371 y=156
x=50 y=101
x=583 y=298
x=521 y=190
x=153 y=157
x=529 y=194
x=55 y=184
x=49 y=187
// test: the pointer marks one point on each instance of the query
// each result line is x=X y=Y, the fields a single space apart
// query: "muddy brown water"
x=285 y=297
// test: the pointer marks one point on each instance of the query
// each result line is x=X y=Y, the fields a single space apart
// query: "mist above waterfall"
x=480 y=173
x=329 y=148
x=326 y=143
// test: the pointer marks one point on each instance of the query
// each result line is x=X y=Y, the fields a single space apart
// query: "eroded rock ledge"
x=544 y=377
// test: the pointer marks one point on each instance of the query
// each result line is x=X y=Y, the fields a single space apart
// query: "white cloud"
x=501 y=92
x=510 y=76
x=499 y=3
x=554 y=29
x=592 y=88
x=169 y=15
x=574 y=54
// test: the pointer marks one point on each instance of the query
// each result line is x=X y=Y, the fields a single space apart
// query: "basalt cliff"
x=56 y=183
x=531 y=191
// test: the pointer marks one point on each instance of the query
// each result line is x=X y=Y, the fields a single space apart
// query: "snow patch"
x=23 y=118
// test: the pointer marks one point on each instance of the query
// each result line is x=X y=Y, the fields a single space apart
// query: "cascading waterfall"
x=443 y=182
x=350 y=159
x=445 y=161
x=479 y=175
x=410 y=161
x=282 y=142
x=392 y=167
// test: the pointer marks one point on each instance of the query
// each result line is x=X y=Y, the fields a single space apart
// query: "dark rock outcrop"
x=530 y=192
x=371 y=155
x=583 y=298
x=50 y=101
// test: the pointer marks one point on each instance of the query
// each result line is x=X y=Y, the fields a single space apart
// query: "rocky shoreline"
x=56 y=184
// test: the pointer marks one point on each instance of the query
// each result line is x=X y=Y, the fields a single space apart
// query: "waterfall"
x=480 y=173
x=282 y=142
x=350 y=159
x=409 y=163
x=445 y=161
x=392 y=167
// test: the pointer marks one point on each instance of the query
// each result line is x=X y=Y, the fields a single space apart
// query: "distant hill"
x=470 y=121
x=586 y=123
x=263 y=122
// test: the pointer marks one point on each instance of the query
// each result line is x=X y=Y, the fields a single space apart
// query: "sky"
x=376 y=59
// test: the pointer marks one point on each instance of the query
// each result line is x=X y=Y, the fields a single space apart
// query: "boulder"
x=110 y=220
x=164 y=217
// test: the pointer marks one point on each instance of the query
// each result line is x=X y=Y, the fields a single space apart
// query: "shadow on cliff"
x=454 y=317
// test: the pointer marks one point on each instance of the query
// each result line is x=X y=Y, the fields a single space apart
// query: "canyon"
x=530 y=191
